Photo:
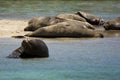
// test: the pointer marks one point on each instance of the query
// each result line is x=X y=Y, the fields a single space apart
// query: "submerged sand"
x=9 y=28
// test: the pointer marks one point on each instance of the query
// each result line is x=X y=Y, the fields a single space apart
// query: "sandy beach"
x=10 y=28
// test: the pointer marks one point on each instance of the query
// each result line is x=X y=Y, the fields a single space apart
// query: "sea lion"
x=31 y=48
x=113 y=24
x=66 y=29
x=34 y=20
x=35 y=23
x=71 y=16
x=94 y=20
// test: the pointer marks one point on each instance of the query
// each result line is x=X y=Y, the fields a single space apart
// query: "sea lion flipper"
x=18 y=36
x=16 y=53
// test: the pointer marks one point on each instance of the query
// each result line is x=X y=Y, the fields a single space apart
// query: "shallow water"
x=25 y=9
x=70 y=59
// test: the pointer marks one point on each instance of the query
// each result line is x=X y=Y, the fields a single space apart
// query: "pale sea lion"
x=34 y=23
x=71 y=16
x=66 y=29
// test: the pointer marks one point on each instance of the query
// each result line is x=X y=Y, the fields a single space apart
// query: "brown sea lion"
x=35 y=23
x=66 y=29
x=71 y=16
x=31 y=48
x=94 y=20
x=113 y=24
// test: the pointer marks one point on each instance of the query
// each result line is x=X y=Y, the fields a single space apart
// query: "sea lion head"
x=34 y=48
x=30 y=27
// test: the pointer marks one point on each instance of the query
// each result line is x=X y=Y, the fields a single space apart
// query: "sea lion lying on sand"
x=31 y=48
x=113 y=24
x=71 y=16
x=34 y=20
x=36 y=23
x=66 y=29
x=94 y=20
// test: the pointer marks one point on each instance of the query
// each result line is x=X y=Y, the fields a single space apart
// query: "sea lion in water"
x=36 y=23
x=113 y=24
x=94 y=20
x=31 y=48
x=66 y=29
x=71 y=16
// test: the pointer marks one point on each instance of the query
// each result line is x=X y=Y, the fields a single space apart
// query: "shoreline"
x=9 y=28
